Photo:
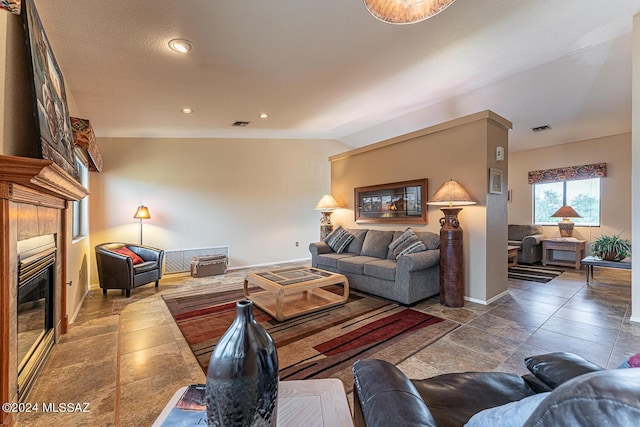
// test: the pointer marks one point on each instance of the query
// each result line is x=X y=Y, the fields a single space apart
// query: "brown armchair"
x=119 y=271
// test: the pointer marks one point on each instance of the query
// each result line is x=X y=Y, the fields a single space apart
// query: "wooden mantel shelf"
x=43 y=175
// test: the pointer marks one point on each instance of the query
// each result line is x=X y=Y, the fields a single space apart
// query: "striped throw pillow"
x=407 y=243
x=338 y=239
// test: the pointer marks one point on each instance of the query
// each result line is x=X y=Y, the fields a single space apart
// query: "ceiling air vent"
x=541 y=128
x=241 y=124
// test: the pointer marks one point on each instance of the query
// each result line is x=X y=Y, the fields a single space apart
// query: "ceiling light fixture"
x=405 y=11
x=180 y=45
x=187 y=111
x=264 y=116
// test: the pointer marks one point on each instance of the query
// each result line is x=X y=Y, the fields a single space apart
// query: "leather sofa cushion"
x=454 y=398
x=519 y=232
x=331 y=259
x=144 y=267
x=376 y=243
x=354 y=264
x=556 y=368
x=383 y=269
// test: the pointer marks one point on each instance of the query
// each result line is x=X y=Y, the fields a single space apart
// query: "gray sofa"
x=370 y=266
x=528 y=238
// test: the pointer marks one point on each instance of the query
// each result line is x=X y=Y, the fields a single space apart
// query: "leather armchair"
x=576 y=392
x=118 y=271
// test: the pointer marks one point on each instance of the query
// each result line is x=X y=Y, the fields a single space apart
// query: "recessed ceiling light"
x=264 y=116
x=187 y=111
x=180 y=45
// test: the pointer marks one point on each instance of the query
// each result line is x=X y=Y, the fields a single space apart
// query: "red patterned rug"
x=324 y=344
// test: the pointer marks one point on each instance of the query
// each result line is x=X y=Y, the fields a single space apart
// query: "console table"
x=590 y=262
x=577 y=247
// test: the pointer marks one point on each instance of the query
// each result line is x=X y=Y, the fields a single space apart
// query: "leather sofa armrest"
x=384 y=396
x=419 y=260
x=554 y=369
x=317 y=248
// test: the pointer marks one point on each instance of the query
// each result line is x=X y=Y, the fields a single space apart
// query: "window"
x=80 y=208
x=582 y=195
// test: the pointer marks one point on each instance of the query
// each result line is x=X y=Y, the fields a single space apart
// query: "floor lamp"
x=142 y=213
x=451 y=194
x=327 y=204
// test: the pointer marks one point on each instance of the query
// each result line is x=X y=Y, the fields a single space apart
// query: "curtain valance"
x=569 y=173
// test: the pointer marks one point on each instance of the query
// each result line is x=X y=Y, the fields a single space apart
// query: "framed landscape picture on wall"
x=50 y=101
x=395 y=203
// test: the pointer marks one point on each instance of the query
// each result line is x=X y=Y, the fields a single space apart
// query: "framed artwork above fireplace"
x=53 y=125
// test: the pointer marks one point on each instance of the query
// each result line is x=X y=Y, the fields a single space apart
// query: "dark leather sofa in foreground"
x=563 y=389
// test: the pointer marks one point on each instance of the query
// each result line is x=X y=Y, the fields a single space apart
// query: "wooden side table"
x=563 y=244
x=512 y=255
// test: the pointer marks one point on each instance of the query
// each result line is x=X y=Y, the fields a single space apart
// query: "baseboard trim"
x=489 y=301
x=75 y=313
x=634 y=319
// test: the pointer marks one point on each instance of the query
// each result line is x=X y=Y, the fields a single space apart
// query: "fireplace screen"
x=36 y=277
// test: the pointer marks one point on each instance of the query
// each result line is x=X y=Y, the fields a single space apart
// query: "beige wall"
x=463 y=150
x=635 y=172
x=255 y=195
x=615 y=213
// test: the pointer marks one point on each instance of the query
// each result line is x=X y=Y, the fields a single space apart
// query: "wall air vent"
x=541 y=128
x=241 y=124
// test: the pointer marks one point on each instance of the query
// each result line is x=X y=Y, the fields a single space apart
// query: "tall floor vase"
x=242 y=378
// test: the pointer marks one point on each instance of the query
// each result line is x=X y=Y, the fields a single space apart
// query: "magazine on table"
x=190 y=409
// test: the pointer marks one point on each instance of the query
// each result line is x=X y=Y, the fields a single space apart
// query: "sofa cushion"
x=406 y=243
x=354 y=264
x=338 y=239
x=430 y=240
x=355 y=247
x=143 y=267
x=331 y=260
x=383 y=269
x=376 y=243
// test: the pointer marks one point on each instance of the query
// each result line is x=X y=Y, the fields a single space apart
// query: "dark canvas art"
x=52 y=112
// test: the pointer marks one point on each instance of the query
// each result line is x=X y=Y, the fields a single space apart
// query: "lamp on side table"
x=451 y=194
x=326 y=205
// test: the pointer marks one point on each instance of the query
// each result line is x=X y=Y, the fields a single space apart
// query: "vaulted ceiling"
x=328 y=69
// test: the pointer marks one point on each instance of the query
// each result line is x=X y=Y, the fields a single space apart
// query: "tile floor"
x=126 y=357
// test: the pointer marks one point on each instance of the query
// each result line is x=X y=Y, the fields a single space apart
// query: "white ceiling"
x=328 y=69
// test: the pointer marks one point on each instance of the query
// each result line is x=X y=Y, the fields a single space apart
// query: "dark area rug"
x=534 y=273
x=324 y=344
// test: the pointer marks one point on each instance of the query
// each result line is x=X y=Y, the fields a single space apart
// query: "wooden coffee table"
x=294 y=291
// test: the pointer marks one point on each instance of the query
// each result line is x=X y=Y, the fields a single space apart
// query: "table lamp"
x=566 y=225
x=327 y=204
x=451 y=194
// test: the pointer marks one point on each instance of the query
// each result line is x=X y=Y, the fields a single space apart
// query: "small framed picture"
x=495 y=181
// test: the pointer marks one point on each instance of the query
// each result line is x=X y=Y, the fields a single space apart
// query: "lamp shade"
x=451 y=193
x=405 y=11
x=566 y=212
x=142 y=213
x=327 y=203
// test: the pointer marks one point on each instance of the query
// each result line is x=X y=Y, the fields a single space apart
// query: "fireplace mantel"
x=42 y=175
x=34 y=196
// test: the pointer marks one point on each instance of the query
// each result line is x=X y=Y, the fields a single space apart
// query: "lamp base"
x=451 y=259
x=566 y=228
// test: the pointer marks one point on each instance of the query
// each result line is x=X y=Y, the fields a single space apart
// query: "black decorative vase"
x=242 y=378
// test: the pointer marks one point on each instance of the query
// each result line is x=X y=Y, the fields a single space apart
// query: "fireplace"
x=35 y=307
x=34 y=235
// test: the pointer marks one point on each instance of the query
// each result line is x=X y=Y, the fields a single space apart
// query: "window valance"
x=569 y=173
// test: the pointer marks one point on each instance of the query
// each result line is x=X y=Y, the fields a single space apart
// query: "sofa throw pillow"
x=128 y=252
x=338 y=239
x=510 y=414
x=407 y=243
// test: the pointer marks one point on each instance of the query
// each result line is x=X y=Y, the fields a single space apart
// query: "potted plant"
x=611 y=248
